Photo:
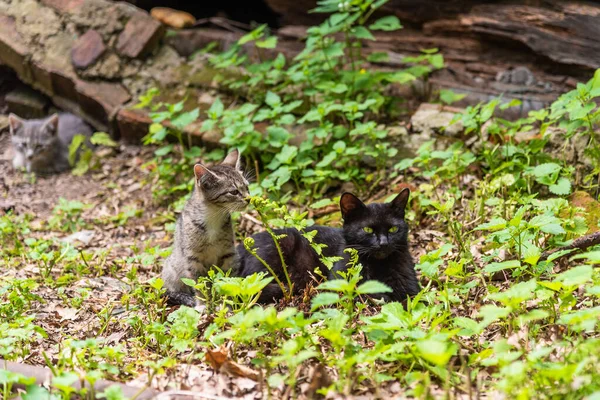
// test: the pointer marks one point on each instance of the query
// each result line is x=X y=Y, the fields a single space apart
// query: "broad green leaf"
x=449 y=97
x=495 y=224
x=272 y=99
x=216 y=109
x=268 y=43
x=371 y=287
x=435 y=351
x=324 y=299
x=545 y=169
x=389 y=23
x=76 y=142
x=576 y=276
x=103 y=139
x=321 y=203
x=337 y=285
x=499 y=266
x=562 y=187
x=360 y=32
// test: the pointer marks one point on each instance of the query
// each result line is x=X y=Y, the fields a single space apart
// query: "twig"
x=174 y=394
x=581 y=243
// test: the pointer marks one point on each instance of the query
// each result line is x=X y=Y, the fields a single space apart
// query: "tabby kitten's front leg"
x=203 y=233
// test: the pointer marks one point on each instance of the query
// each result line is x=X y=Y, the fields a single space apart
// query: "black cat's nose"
x=383 y=241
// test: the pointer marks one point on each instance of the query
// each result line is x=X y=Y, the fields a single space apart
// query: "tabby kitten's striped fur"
x=203 y=234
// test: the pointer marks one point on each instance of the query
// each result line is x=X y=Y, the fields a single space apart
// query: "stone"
x=87 y=49
x=63 y=6
x=173 y=18
x=27 y=103
x=433 y=118
x=140 y=36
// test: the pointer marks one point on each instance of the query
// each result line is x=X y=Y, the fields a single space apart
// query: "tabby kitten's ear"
x=51 y=125
x=233 y=159
x=200 y=170
x=14 y=123
x=351 y=205
x=400 y=201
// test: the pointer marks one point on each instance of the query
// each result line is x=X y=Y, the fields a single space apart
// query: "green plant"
x=81 y=157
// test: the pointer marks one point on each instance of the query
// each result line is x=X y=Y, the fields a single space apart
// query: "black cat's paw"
x=180 y=299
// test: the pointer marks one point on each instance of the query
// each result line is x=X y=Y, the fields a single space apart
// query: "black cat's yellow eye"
x=367 y=229
x=393 y=229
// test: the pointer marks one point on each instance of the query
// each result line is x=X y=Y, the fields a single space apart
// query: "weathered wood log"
x=565 y=32
x=568 y=33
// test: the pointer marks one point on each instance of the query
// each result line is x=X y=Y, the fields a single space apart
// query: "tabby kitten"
x=377 y=231
x=203 y=233
x=42 y=145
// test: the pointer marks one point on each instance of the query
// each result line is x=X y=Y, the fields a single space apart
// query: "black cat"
x=377 y=231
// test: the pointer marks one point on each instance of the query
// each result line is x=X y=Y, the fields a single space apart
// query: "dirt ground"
x=121 y=184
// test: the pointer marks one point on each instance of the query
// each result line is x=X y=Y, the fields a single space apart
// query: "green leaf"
x=77 y=141
x=389 y=23
x=378 y=57
x=437 y=61
x=436 y=351
x=495 y=224
x=546 y=169
x=562 y=187
x=268 y=43
x=186 y=118
x=499 y=266
x=321 y=203
x=371 y=287
x=103 y=139
x=35 y=392
x=287 y=154
x=576 y=276
x=216 y=109
x=448 y=96
x=324 y=299
x=272 y=99
x=337 y=285
x=360 y=32
x=328 y=159
x=163 y=151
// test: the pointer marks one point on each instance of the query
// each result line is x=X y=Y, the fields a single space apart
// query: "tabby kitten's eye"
x=393 y=229
x=233 y=192
x=367 y=229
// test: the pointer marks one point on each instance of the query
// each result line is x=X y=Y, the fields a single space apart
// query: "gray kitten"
x=203 y=233
x=42 y=145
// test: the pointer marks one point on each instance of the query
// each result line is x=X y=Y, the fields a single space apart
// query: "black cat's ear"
x=399 y=203
x=233 y=159
x=14 y=123
x=200 y=170
x=52 y=124
x=351 y=205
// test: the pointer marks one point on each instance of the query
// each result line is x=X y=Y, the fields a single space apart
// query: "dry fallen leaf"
x=220 y=361
x=66 y=313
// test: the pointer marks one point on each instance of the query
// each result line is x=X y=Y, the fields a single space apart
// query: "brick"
x=140 y=37
x=132 y=125
x=101 y=100
x=27 y=103
x=87 y=49
x=13 y=51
